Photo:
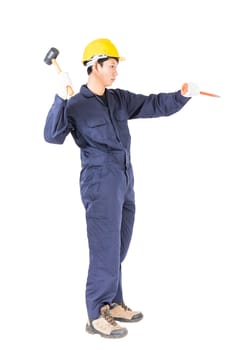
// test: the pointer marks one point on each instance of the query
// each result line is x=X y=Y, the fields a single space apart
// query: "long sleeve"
x=152 y=106
x=56 y=126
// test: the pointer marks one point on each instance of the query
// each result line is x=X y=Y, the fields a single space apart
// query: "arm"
x=56 y=126
x=155 y=105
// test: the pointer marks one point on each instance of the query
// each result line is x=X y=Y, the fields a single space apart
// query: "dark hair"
x=100 y=61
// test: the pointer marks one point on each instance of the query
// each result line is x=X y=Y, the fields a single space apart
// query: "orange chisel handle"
x=208 y=94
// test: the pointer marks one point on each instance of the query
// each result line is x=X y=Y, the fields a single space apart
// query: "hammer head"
x=52 y=54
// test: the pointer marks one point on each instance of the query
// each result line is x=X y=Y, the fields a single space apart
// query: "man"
x=97 y=118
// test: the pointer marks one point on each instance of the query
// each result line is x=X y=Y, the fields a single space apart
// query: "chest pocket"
x=121 y=117
x=97 y=129
x=123 y=129
x=96 y=122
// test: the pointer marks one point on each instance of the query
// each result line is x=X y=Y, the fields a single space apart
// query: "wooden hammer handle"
x=70 y=90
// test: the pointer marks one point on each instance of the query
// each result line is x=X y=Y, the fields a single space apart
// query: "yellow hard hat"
x=102 y=48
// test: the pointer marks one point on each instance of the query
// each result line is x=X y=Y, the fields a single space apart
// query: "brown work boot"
x=105 y=325
x=120 y=312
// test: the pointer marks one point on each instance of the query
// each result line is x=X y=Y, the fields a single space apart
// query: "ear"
x=95 y=67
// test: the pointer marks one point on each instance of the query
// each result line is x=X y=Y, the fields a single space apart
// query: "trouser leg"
x=103 y=193
x=126 y=235
x=127 y=223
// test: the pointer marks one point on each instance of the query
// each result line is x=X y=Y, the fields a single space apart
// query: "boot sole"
x=132 y=320
x=91 y=330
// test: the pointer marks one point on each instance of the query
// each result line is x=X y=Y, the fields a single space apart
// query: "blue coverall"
x=100 y=129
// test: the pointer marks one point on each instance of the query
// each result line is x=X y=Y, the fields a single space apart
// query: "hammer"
x=50 y=58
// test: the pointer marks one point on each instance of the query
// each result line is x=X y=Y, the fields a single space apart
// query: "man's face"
x=108 y=71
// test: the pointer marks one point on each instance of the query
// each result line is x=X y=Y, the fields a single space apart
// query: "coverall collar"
x=86 y=92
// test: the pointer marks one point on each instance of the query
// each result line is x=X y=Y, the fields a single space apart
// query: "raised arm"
x=56 y=126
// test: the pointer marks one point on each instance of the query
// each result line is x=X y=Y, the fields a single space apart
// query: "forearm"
x=170 y=103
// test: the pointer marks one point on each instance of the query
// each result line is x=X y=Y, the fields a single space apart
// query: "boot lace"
x=125 y=307
x=105 y=312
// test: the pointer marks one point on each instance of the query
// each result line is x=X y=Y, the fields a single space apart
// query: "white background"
x=179 y=268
